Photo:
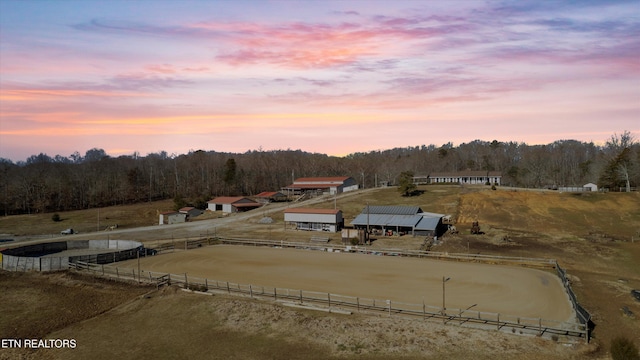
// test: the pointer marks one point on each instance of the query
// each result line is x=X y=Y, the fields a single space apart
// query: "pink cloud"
x=303 y=45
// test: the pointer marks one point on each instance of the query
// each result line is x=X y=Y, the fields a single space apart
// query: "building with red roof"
x=269 y=196
x=232 y=204
x=323 y=185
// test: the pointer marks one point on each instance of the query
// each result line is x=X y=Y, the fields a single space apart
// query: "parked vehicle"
x=68 y=231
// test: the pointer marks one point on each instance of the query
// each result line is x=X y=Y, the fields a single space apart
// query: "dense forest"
x=47 y=184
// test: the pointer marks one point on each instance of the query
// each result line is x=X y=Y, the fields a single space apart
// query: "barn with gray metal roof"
x=400 y=220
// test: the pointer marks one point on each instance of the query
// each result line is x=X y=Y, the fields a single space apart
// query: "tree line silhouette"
x=49 y=184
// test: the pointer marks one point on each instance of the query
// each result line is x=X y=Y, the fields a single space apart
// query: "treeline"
x=47 y=184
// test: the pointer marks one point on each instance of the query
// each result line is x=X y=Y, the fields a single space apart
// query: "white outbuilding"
x=232 y=204
x=315 y=219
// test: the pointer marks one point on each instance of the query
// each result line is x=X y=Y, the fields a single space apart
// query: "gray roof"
x=430 y=214
x=418 y=222
x=428 y=223
x=386 y=220
x=392 y=210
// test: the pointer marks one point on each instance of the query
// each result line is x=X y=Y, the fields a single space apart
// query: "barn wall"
x=317 y=218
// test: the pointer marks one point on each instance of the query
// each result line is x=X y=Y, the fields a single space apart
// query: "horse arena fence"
x=341 y=303
x=39 y=258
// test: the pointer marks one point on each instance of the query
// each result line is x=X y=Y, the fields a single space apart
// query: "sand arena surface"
x=517 y=291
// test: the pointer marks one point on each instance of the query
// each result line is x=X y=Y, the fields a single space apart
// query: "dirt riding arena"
x=516 y=291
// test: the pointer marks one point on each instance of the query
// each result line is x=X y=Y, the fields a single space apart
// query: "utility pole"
x=367 y=218
x=444 y=309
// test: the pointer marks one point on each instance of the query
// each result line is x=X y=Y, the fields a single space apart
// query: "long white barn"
x=461 y=177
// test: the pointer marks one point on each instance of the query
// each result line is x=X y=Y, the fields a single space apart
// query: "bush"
x=624 y=349
x=56 y=217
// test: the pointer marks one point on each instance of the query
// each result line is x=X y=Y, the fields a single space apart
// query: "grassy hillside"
x=612 y=215
x=589 y=234
x=85 y=221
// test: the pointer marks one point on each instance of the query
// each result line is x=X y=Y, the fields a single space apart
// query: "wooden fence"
x=584 y=317
x=479 y=258
x=337 y=302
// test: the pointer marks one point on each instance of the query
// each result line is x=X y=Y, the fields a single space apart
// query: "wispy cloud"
x=220 y=74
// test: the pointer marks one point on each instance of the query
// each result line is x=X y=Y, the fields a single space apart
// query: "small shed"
x=191 y=212
x=315 y=219
x=172 y=217
x=229 y=204
x=590 y=187
x=270 y=196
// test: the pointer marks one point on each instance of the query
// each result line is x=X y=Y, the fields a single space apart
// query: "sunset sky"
x=333 y=77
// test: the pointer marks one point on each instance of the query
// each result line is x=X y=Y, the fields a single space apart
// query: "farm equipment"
x=475 y=228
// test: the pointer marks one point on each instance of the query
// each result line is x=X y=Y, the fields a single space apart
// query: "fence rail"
x=491 y=259
x=462 y=317
x=584 y=317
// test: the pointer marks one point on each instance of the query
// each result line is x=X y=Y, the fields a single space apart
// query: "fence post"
x=206 y=284
x=133 y=273
x=250 y=291
x=102 y=269
x=389 y=302
x=275 y=293
x=329 y=298
x=186 y=282
x=300 y=296
x=117 y=274
x=358 y=303
x=540 y=325
x=498 y=321
x=228 y=289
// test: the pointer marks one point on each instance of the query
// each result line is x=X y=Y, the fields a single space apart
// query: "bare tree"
x=620 y=163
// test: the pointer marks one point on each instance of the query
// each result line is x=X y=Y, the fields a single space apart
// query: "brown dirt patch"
x=516 y=291
x=36 y=304
x=196 y=326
